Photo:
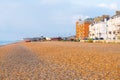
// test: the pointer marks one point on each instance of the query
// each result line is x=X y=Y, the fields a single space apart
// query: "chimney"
x=117 y=12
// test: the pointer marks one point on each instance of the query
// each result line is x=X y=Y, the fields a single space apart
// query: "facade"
x=101 y=28
x=113 y=29
x=82 y=29
x=98 y=30
x=107 y=29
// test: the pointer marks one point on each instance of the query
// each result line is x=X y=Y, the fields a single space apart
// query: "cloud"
x=112 y=6
x=80 y=16
x=103 y=5
x=49 y=17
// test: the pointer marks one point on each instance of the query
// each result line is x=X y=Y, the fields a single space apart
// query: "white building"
x=113 y=29
x=107 y=30
x=98 y=30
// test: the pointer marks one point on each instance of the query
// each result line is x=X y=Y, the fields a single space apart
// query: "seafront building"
x=82 y=28
x=105 y=27
x=113 y=27
x=98 y=29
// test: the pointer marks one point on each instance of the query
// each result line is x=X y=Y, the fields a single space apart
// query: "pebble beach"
x=60 y=61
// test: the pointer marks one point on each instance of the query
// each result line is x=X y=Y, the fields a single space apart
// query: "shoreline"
x=9 y=43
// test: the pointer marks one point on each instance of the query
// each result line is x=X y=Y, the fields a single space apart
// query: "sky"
x=33 y=18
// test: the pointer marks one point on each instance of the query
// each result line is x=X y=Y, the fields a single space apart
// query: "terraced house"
x=98 y=29
x=105 y=27
x=113 y=27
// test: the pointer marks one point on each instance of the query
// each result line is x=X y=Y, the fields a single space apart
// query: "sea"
x=6 y=42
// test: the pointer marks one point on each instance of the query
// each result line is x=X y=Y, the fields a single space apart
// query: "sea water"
x=6 y=42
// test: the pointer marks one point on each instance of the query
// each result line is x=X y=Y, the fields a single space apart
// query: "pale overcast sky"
x=34 y=18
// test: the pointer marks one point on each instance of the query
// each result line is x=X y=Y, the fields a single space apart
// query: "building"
x=98 y=30
x=101 y=18
x=106 y=28
x=117 y=12
x=113 y=29
x=56 y=39
x=82 y=28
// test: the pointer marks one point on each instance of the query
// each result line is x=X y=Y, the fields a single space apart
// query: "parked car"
x=95 y=39
x=101 y=38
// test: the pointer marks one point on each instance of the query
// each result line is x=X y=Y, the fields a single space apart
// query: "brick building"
x=82 y=28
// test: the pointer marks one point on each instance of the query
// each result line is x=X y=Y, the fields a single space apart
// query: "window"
x=114 y=38
x=113 y=32
x=118 y=32
x=109 y=32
